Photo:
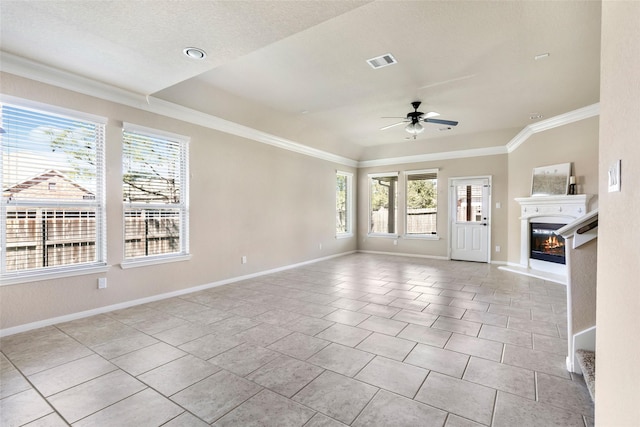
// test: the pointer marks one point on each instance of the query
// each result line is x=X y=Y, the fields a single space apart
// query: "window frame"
x=182 y=207
x=420 y=236
x=370 y=178
x=97 y=203
x=348 y=205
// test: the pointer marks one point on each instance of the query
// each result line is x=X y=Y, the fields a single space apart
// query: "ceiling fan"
x=414 y=118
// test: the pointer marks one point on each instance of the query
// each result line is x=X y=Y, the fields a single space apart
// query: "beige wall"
x=575 y=143
x=618 y=295
x=246 y=198
x=494 y=166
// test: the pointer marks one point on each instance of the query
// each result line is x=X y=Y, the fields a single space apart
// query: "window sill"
x=143 y=262
x=344 y=235
x=386 y=236
x=421 y=237
x=25 y=277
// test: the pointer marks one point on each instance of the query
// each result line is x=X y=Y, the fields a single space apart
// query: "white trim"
x=383 y=174
x=421 y=236
x=50 y=109
x=552 y=122
x=143 y=262
x=343 y=235
x=108 y=308
x=404 y=254
x=384 y=235
x=405 y=210
x=42 y=73
x=349 y=205
x=154 y=132
x=446 y=155
x=35 y=71
x=68 y=271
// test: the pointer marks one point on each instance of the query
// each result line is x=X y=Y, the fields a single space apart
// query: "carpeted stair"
x=587 y=362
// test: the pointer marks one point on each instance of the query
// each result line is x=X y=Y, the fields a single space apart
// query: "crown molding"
x=553 y=122
x=23 y=67
x=42 y=73
x=445 y=155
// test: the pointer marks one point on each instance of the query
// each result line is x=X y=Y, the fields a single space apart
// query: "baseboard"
x=100 y=310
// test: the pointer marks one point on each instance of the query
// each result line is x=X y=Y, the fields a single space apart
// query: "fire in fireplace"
x=544 y=244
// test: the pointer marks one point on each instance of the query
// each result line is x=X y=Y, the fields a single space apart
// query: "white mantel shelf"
x=572 y=205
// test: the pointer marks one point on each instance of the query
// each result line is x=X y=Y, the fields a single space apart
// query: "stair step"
x=587 y=362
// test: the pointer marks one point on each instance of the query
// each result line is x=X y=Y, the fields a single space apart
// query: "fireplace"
x=540 y=216
x=544 y=244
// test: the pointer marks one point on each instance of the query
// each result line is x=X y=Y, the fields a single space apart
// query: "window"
x=421 y=202
x=344 y=197
x=469 y=203
x=154 y=191
x=383 y=196
x=52 y=213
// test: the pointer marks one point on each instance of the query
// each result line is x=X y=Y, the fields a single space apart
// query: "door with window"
x=470 y=222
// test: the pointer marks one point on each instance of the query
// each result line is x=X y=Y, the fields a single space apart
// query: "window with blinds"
x=421 y=202
x=344 y=197
x=52 y=213
x=154 y=191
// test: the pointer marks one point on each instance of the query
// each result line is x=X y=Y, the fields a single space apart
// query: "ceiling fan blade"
x=395 y=124
x=430 y=114
x=441 y=122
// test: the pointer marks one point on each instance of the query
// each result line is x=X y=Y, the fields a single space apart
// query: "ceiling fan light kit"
x=414 y=127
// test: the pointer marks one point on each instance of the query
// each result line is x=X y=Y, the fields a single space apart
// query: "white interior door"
x=470 y=222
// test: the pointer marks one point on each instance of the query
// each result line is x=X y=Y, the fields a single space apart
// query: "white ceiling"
x=298 y=69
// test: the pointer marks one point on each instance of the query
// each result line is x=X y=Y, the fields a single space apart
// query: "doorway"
x=469 y=218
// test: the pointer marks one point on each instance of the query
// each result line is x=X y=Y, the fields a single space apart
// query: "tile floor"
x=361 y=340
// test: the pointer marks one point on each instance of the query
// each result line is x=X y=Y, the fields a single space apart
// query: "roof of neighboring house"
x=41 y=178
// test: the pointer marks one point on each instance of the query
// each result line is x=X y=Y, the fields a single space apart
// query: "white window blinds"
x=52 y=213
x=154 y=190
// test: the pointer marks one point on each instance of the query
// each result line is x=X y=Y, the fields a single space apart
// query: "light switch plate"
x=614 y=177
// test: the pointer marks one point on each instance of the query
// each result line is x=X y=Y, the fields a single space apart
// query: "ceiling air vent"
x=382 y=61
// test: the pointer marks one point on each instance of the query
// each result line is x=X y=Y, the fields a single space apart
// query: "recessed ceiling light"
x=541 y=56
x=194 y=52
x=535 y=116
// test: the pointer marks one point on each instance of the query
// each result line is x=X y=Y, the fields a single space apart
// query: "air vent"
x=382 y=61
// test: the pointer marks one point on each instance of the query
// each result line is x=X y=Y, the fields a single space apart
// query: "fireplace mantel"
x=573 y=206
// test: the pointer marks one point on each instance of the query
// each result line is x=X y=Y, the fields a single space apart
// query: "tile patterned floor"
x=361 y=340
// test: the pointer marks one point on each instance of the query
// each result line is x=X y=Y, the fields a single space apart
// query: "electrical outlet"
x=497 y=248
x=243 y=260
x=320 y=246
x=102 y=283
x=395 y=242
x=498 y=205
